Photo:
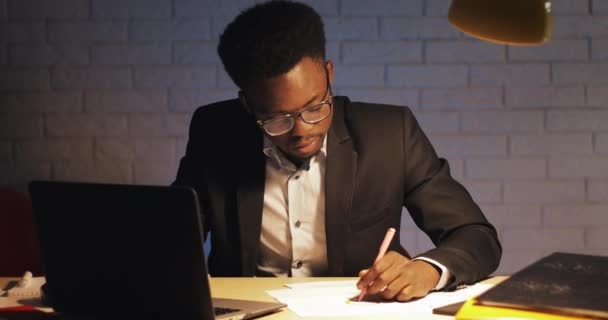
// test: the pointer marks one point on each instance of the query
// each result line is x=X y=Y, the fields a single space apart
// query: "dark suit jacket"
x=378 y=160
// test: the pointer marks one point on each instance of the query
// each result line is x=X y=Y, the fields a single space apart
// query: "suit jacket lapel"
x=250 y=198
x=339 y=185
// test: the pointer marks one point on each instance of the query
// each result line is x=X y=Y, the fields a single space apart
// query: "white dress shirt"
x=292 y=239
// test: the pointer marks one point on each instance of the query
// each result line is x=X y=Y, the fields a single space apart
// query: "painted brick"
x=423 y=242
x=181 y=145
x=408 y=235
x=154 y=174
x=225 y=82
x=125 y=9
x=3 y=9
x=514 y=260
x=583 y=121
x=569 y=167
x=438 y=122
x=464 y=51
x=56 y=9
x=578 y=73
x=358 y=76
x=436 y=8
x=597 y=238
x=484 y=192
x=324 y=7
x=184 y=100
x=23 y=32
x=22 y=79
x=48 y=102
x=175 y=77
x=155 y=150
x=382 y=8
x=54 y=150
x=86 y=32
x=579 y=26
x=112 y=149
x=513 y=215
x=564 y=7
x=462 y=98
x=544 y=192
x=502 y=121
x=575 y=215
x=551 y=144
x=416 y=28
x=600 y=7
x=345 y=28
x=456 y=168
x=548 y=238
x=170 y=30
x=92 y=78
x=103 y=172
x=207 y=8
x=513 y=74
x=20 y=126
x=332 y=50
x=400 y=97
x=86 y=125
x=597 y=96
x=458 y=145
x=126 y=101
x=597 y=191
x=427 y=76
x=601 y=143
x=132 y=54
x=554 y=50
x=507 y=169
x=542 y=97
x=195 y=53
x=19 y=175
x=6 y=152
x=24 y=55
x=378 y=52
x=159 y=125
x=599 y=48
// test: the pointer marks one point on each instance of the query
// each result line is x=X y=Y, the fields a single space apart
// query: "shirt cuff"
x=445 y=273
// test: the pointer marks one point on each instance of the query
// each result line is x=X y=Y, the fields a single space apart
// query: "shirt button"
x=298 y=264
x=297 y=224
x=296 y=177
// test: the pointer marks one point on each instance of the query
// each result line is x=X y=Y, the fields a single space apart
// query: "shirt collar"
x=280 y=161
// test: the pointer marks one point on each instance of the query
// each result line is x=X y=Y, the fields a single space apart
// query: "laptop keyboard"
x=220 y=311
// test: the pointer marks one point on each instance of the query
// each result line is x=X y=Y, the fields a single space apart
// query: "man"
x=294 y=181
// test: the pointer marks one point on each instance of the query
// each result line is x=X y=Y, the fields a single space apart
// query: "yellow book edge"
x=472 y=311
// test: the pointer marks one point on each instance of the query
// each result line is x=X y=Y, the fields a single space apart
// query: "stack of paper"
x=333 y=299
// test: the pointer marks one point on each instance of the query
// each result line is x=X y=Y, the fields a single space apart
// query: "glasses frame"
x=298 y=114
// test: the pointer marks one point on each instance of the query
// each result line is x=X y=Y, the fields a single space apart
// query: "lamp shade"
x=514 y=22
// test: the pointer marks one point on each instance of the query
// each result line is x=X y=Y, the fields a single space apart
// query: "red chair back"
x=19 y=249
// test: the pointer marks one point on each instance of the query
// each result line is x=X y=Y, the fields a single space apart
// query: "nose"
x=300 y=128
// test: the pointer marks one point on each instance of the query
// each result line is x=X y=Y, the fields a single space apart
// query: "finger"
x=373 y=272
x=396 y=286
x=362 y=272
x=406 y=294
x=383 y=279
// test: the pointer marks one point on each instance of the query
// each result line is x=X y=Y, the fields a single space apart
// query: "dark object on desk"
x=126 y=251
x=449 y=309
x=561 y=283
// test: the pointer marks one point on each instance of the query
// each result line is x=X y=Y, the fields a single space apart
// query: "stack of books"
x=561 y=286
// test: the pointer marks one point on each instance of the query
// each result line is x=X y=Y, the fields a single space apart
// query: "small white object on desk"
x=27 y=287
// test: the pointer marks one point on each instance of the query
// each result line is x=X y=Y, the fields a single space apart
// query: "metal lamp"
x=513 y=22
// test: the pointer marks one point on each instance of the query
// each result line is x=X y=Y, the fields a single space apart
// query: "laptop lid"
x=124 y=249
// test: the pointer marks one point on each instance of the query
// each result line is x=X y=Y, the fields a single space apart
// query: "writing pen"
x=390 y=233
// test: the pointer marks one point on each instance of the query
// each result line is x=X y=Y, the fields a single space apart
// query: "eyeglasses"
x=312 y=114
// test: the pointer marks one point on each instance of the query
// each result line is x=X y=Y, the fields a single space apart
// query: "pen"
x=385 y=243
x=25 y=280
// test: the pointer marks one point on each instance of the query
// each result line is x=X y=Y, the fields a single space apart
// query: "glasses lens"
x=279 y=126
x=316 y=113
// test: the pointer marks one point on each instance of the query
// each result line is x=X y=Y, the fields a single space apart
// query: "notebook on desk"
x=125 y=249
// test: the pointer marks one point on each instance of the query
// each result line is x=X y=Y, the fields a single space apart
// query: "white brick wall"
x=103 y=90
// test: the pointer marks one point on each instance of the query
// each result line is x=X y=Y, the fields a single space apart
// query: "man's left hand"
x=397 y=277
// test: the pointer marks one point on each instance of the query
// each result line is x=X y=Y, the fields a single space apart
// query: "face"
x=302 y=86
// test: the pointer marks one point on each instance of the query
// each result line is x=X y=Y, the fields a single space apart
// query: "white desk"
x=255 y=289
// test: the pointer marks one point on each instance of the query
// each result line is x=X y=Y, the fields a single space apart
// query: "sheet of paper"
x=332 y=299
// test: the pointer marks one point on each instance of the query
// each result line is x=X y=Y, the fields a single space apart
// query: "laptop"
x=118 y=250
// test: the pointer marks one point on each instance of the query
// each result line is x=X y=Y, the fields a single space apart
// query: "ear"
x=244 y=101
x=330 y=71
